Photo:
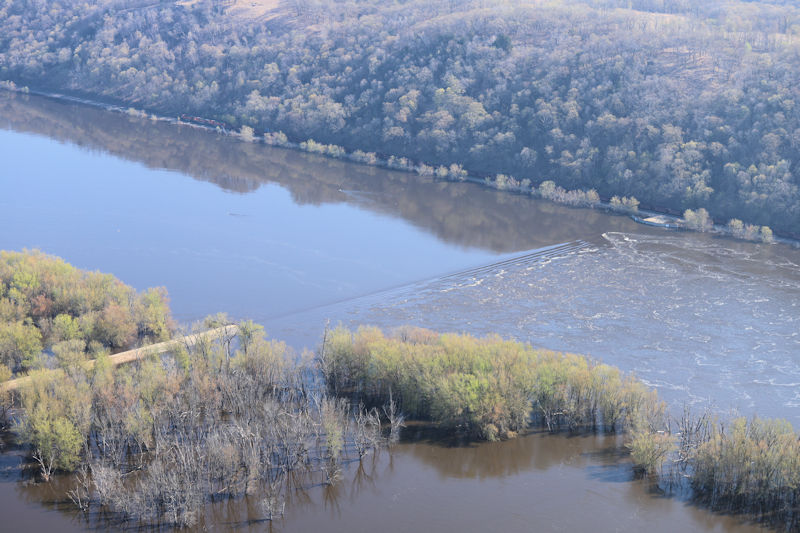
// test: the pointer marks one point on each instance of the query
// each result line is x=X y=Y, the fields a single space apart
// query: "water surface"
x=292 y=240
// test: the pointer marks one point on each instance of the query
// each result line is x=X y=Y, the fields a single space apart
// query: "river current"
x=705 y=320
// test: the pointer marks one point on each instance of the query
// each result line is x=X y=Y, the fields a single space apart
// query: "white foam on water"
x=641 y=302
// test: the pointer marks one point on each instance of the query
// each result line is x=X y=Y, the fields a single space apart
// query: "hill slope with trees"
x=683 y=105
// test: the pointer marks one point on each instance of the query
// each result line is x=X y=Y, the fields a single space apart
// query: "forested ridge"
x=681 y=104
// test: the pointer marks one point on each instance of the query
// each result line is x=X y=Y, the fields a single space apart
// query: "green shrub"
x=749 y=465
x=649 y=450
x=489 y=388
x=44 y=301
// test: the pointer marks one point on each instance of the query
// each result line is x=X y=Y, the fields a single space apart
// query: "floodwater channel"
x=293 y=240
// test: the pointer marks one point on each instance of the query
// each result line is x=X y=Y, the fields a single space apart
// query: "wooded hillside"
x=681 y=104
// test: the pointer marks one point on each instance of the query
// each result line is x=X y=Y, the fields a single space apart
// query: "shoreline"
x=454 y=173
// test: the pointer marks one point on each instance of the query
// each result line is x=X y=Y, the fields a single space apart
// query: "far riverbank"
x=455 y=173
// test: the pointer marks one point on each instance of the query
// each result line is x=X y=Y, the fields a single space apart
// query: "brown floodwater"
x=537 y=482
x=292 y=240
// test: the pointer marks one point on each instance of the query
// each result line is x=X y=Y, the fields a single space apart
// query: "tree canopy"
x=47 y=304
x=682 y=105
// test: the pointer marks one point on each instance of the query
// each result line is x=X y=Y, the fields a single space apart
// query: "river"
x=293 y=240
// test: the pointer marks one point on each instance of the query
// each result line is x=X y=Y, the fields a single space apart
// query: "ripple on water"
x=648 y=304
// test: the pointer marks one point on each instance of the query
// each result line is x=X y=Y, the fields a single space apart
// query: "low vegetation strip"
x=488 y=388
x=188 y=341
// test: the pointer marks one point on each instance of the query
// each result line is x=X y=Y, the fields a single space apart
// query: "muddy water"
x=535 y=483
x=291 y=240
x=538 y=482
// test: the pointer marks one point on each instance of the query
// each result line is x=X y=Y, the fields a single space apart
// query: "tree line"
x=500 y=222
x=487 y=388
x=676 y=104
